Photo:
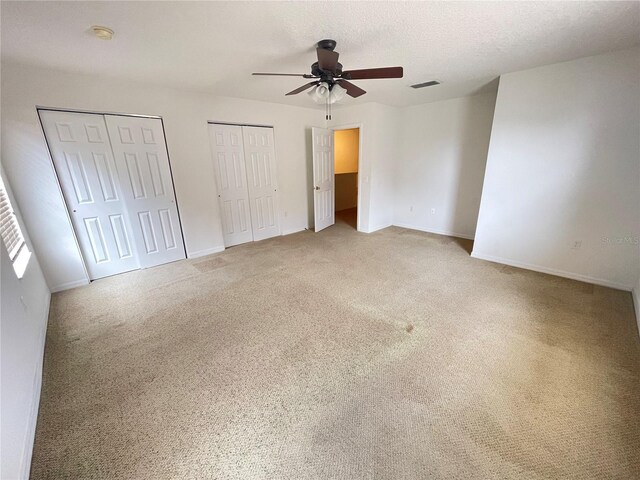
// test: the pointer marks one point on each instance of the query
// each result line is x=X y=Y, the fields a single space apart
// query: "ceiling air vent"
x=426 y=84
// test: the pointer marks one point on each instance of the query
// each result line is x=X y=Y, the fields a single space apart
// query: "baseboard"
x=27 y=448
x=206 y=251
x=376 y=228
x=552 y=271
x=293 y=230
x=636 y=304
x=69 y=285
x=448 y=233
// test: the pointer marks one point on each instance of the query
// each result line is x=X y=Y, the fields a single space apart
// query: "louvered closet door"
x=259 y=154
x=231 y=180
x=85 y=166
x=143 y=167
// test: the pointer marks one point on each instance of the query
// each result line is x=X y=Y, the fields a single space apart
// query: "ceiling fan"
x=327 y=70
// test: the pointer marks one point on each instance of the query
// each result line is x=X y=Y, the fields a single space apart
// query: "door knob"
x=317 y=188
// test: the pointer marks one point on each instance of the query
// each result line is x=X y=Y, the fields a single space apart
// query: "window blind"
x=9 y=228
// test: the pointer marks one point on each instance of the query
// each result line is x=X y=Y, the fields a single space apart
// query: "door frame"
x=59 y=185
x=350 y=126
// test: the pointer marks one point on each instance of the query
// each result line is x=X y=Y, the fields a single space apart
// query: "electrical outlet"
x=411 y=208
x=576 y=244
x=433 y=211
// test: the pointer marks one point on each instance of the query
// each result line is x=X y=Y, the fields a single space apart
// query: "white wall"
x=385 y=133
x=427 y=156
x=185 y=116
x=24 y=309
x=564 y=166
x=444 y=151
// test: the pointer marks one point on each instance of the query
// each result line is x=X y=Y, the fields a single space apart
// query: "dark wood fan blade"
x=327 y=59
x=352 y=90
x=387 y=72
x=303 y=75
x=302 y=88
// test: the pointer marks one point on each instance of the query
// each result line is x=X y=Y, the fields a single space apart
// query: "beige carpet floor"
x=340 y=355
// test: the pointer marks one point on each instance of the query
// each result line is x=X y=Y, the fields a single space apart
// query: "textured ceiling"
x=214 y=46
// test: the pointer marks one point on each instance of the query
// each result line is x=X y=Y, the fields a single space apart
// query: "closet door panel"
x=143 y=168
x=231 y=181
x=262 y=181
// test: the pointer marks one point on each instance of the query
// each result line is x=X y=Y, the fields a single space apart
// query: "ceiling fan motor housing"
x=317 y=72
x=327 y=44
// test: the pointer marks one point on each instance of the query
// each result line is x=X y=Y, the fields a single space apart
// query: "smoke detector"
x=103 y=33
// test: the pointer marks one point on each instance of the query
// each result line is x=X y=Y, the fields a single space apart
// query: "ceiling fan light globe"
x=315 y=96
x=320 y=93
x=323 y=90
x=337 y=94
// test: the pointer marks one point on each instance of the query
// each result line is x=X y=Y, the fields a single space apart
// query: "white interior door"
x=143 y=166
x=262 y=182
x=229 y=166
x=323 y=179
x=84 y=162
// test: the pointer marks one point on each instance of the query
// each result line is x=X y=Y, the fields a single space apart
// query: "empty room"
x=320 y=240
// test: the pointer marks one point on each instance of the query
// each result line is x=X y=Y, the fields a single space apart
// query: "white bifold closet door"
x=245 y=171
x=115 y=178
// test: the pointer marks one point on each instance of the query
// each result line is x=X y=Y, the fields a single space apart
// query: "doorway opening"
x=346 y=157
